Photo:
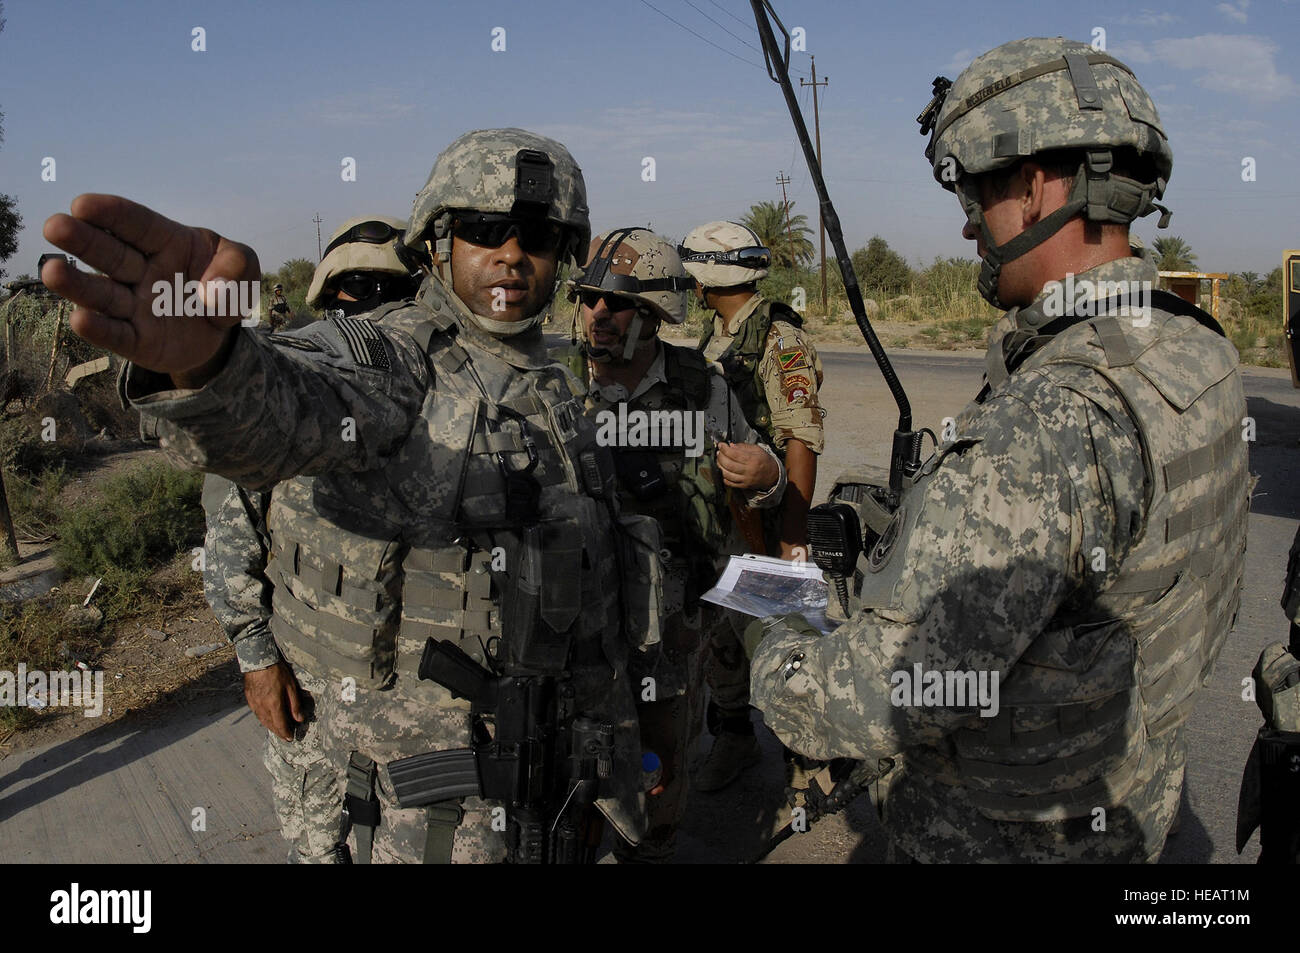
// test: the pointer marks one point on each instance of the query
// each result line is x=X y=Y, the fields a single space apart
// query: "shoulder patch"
x=364 y=342
x=791 y=360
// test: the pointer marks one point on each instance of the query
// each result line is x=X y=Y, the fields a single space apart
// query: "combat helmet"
x=1047 y=95
x=635 y=263
x=506 y=171
x=367 y=243
x=725 y=254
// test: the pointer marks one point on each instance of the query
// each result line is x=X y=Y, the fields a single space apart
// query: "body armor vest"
x=684 y=494
x=1120 y=667
x=449 y=538
x=741 y=360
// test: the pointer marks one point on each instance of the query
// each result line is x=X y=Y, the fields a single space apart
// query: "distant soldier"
x=775 y=372
x=278 y=314
x=632 y=282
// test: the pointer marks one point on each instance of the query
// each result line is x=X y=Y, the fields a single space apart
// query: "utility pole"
x=320 y=254
x=817 y=124
x=783 y=180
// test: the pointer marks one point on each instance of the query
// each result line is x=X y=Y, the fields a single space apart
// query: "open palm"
x=134 y=247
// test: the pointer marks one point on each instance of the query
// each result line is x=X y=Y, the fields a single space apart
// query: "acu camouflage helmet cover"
x=482 y=171
x=1041 y=95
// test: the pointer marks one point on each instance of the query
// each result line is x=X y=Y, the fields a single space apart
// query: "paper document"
x=763 y=585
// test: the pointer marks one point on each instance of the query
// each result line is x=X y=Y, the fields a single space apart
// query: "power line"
x=701 y=36
x=734 y=17
x=721 y=27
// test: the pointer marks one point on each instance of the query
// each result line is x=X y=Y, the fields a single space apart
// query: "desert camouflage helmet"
x=508 y=171
x=359 y=255
x=724 y=254
x=1042 y=95
x=637 y=263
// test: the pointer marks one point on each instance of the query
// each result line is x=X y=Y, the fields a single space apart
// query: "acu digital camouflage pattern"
x=988 y=121
x=279 y=409
x=357 y=256
x=477 y=171
x=994 y=569
x=305 y=784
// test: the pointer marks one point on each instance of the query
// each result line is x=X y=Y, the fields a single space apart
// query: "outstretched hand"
x=134 y=247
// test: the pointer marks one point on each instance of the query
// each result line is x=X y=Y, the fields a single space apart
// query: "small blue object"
x=650 y=762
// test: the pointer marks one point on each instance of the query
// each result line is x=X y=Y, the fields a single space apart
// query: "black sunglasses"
x=613 y=302
x=365 y=285
x=755 y=256
x=536 y=236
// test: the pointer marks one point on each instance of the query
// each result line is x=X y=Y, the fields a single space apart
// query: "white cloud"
x=360 y=109
x=1148 y=18
x=1234 y=11
x=959 y=61
x=1241 y=65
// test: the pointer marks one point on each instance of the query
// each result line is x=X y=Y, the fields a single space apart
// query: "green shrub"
x=143 y=519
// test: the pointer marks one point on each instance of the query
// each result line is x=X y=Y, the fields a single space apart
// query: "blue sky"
x=248 y=136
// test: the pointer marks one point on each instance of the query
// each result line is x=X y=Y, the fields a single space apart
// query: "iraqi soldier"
x=428 y=464
x=363 y=268
x=1035 y=625
x=366 y=264
x=774 y=370
x=632 y=282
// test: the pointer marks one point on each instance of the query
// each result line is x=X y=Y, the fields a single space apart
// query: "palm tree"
x=1174 y=254
x=790 y=246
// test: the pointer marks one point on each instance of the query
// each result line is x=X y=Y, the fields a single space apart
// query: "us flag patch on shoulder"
x=364 y=341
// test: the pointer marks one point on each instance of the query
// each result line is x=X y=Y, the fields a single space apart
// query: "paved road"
x=126 y=791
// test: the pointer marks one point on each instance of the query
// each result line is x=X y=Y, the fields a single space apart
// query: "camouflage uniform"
x=304 y=784
x=775 y=371
x=278 y=314
x=690 y=505
x=1096 y=676
x=1081 y=539
x=389 y=442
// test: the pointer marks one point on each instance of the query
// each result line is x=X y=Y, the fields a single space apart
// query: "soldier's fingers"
x=294 y=699
x=111 y=334
x=132 y=222
x=95 y=292
x=96 y=247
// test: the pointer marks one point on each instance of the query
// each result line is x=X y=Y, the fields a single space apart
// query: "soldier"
x=365 y=256
x=278 y=315
x=1074 y=556
x=633 y=281
x=429 y=463
x=774 y=371
x=366 y=265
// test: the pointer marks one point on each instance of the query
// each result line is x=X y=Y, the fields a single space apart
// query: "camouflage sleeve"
x=723 y=408
x=992 y=542
x=234 y=570
x=336 y=395
x=792 y=372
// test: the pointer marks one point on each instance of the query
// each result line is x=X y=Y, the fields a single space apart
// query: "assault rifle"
x=531 y=748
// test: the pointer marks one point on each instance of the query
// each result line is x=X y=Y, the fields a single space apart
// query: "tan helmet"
x=360 y=244
x=636 y=263
x=506 y=171
x=725 y=254
x=1047 y=95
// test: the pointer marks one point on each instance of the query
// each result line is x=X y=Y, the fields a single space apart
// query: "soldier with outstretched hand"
x=428 y=459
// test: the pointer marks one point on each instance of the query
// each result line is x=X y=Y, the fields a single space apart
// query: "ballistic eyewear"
x=754 y=256
x=364 y=285
x=372 y=233
x=613 y=302
x=536 y=236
